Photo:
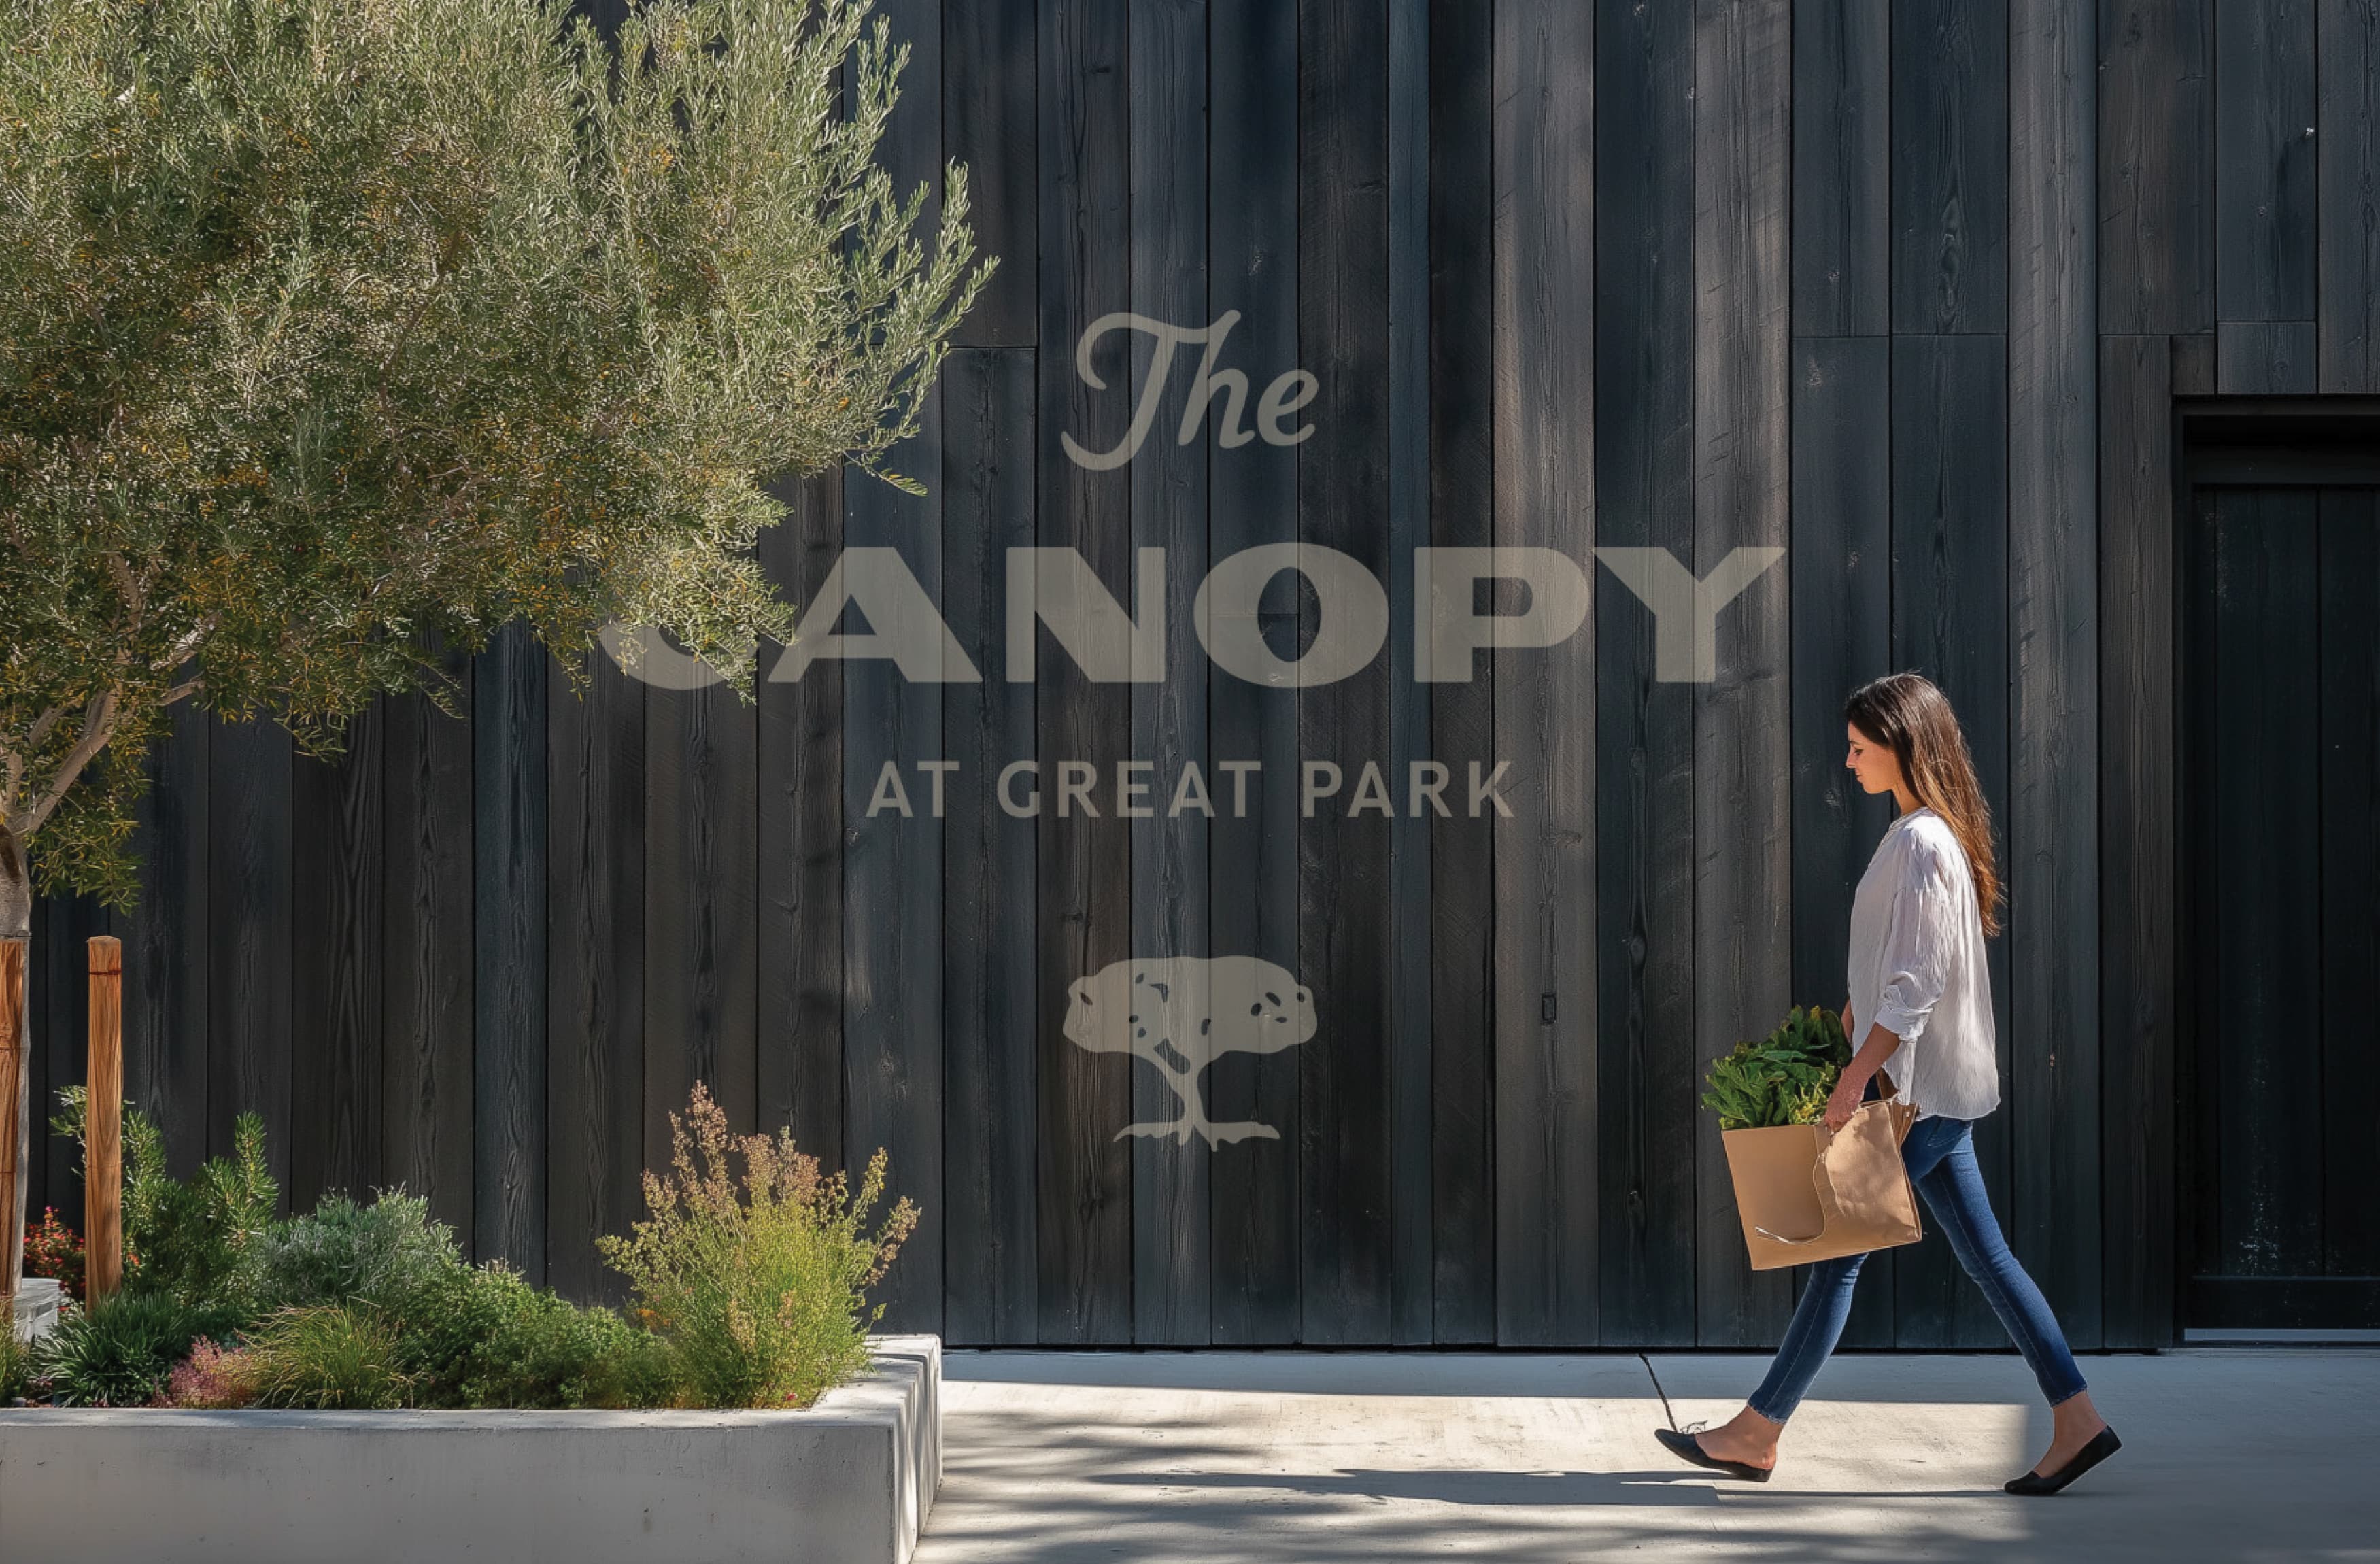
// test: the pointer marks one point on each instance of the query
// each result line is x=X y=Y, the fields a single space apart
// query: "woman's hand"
x=1848 y=1090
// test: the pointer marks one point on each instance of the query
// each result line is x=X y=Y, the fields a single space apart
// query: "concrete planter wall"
x=850 y=1480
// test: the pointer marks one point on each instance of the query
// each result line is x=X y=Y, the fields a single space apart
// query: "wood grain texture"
x=59 y=1007
x=991 y=1017
x=1546 y=1171
x=1843 y=625
x=1412 y=1313
x=1252 y=238
x=1842 y=162
x=336 y=981
x=799 y=881
x=102 y=1194
x=2350 y=615
x=1343 y=939
x=2052 y=832
x=1949 y=168
x=249 y=912
x=595 y=967
x=2265 y=358
x=2191 y=364
x=427 y=974
x=2348 y=175
x=508 y=828
x=1462 y=716
x=1949 y=622
x=1742 y=719
x=2264 y=150
x=1168 y=137
x=2157 y=240
x=2137 y=890
x=892 y=866
x=165 y=946
x=988 y=125
x=16 y=1115
x=700 y=955
x=1083 y=865
x=1645 y=737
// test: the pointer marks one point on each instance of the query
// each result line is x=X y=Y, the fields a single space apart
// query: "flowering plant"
x=55 y=1250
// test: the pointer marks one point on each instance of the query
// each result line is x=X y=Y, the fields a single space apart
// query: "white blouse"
x=1917 y=966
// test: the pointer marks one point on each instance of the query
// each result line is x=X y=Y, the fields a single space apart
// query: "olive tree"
x=335 y=334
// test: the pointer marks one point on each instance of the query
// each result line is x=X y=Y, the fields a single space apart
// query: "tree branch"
x=97 y=724
x=13 y=766
x=41 y=726
x=185 y=649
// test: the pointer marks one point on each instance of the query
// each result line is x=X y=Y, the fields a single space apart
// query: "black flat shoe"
x=1687 y=1447
x=2103 y=1445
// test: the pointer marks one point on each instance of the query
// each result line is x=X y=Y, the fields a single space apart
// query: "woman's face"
x=1876 y=767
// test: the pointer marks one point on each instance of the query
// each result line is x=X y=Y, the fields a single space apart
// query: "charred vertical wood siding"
x=1907 y=289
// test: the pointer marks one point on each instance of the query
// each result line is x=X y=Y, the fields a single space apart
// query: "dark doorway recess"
x=2279 y=793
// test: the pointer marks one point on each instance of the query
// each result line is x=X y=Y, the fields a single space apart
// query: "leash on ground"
x=1658 y=1391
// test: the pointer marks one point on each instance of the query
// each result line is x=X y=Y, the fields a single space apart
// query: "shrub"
x=386 y=1254
x=16 y=1367
x=756 y=1283
x=185 y=1238
x=144 y=1168
x=118 y=1352
x=55 y=1250
x=329 y=1357
x=483 y=1337
x=633 y=1368
x=212 y=1376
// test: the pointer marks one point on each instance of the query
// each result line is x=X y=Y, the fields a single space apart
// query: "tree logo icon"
x=1182 y=1014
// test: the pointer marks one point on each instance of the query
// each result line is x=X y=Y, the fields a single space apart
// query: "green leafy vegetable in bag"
x=1785 y=1078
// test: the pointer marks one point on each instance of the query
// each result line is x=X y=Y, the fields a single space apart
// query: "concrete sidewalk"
x=1183 y=1457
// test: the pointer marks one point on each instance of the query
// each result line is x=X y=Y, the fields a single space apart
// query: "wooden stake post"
x=12 y=1114
x=102 y=1176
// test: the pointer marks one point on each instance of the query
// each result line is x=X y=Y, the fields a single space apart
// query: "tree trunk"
x=16 y=928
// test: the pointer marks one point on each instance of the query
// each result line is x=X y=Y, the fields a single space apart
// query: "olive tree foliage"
x=335 y=334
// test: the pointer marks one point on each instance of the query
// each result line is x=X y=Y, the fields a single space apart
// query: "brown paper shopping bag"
x=1807 y=1194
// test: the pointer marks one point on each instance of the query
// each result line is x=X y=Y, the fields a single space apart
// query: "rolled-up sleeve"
x=1918 y=940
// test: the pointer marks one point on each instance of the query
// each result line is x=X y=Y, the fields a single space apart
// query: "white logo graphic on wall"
x=1180 y=1014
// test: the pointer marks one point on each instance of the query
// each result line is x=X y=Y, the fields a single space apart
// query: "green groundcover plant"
x=330 y=1357
x=751 y=1280
x=1785 y=1078
x=119 y=1352
x=16 y=1368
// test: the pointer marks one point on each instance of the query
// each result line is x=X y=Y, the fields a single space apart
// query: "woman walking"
x=1919 y=919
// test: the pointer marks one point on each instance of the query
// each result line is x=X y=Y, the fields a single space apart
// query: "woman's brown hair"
x=1907 y=714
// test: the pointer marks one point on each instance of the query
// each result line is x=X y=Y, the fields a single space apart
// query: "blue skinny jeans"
x=1940 y=1156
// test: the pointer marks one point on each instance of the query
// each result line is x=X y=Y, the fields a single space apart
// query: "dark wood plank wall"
x=1743 y=867
x=1083 y=891
x=1842 y=501
x=1462 y=716
x=1644 y=740
x=1252 y=245
x=1906 y=290
x=1544 y=978
x=2054 y=905
x=1171 y=1287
